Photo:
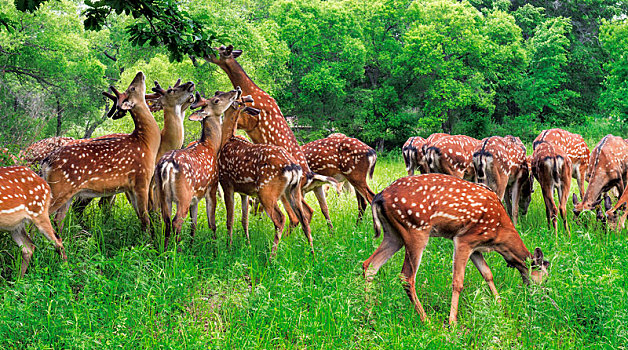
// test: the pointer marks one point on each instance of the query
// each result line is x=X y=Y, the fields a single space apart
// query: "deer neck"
x=146 y=128
x=211 y=135
x=514 y=251
x=172 y=133
x=229 y=125
x=238 y=76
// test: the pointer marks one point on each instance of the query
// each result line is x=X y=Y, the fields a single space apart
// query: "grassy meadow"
x=118 y=291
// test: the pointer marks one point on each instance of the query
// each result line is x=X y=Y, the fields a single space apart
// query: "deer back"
x=195 y=167
x=573 y=144
x=550 y=163
x=451 y=152
x=499 y=155
x=336 y=154
x=249 y=167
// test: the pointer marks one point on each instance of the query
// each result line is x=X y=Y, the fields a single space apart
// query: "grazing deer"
x=106 y=166
x=415 y=208
x=574 y=146
x=501 y=164
x=345 y=159
x=452 y=155
x=270 y=126
x=410 y=151
x=258 y=170
x=608 y=168
x=552 y=168
x=24 y=196
x=185 y=176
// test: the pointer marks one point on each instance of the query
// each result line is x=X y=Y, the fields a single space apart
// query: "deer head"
x=177 y=95
x=213 y=106
x=225 y=53
x=133 y=96
x=539 y=267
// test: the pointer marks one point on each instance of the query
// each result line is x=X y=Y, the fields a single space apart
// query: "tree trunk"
x=90 y=128
x=58 y=133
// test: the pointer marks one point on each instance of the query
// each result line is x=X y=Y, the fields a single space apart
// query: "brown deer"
x=501 y=164
x=186 y=176
x=452 y=155
x=415 y=208
x=38 y=151
x=608 y=168
x=345 y=159
x=410 y=151
x=106 y=166
x=24 y=196
x=259 y=170
x=270 y=126
x=574 y=146
x=552 y=168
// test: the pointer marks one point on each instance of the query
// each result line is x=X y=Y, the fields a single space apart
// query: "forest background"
x=380 y=71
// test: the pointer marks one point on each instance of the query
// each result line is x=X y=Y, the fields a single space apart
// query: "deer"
x=414 y=208
x=270 y=126
x=452 y=155
x=39 y=150
x=607 y=170
x=551 y=166
x=186 y=176
x=410 y=151
x=501 y=164
x=575 y=147
x=345 y=159
x=265 y=171
x=107 y=166
x=25 y=197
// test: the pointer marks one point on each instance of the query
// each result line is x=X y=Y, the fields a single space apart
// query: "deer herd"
x=458 y=195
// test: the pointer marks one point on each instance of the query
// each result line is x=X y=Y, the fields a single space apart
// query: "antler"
x=198 y=101
x=112 y=110
x=177 y=83
x=158 y=89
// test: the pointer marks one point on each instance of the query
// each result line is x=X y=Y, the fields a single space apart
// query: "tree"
x=614 y=39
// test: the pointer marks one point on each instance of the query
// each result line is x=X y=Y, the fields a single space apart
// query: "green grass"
x=118 y=291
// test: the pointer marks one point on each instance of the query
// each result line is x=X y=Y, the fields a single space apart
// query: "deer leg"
x=141 y=197
x=462 y=252
x=26 y=245
x=389 y=246
x=166 y=215
x=485 y=271
x=361 y=205
x=245 y=216
x=550 y=206
x=42 y=222
x=184 y=201
x=515 y=192
x=230 y=206
x=414 y=252
x=61 y=213
x=210 y=208
x=322 y=202
x=563 y=195
x=194 y=218
x=294 y=221
x=278 y=220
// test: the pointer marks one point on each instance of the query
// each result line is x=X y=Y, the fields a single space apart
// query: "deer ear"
x=251 y=110
x=607 y=202
x=236 y=53
x=537 y=257
x=574 y=199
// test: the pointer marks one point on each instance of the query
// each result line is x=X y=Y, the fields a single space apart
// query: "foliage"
x=614 y=38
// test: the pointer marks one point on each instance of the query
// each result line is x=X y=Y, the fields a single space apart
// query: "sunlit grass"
x=117 y=290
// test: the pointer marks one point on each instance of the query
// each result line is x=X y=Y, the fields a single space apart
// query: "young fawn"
x=415 y=208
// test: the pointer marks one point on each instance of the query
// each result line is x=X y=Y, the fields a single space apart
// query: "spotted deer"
x=186 y=176
x=259 y=170
x=552 y=168
x=421 y=161
x=452 y=155
x=345 y=159
x=24 y=197
x=501 y=164
x=415 y=208
x=608 y=168
x=106 y=166
x=574 y=146
x=270 y=126
x=410 y=151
